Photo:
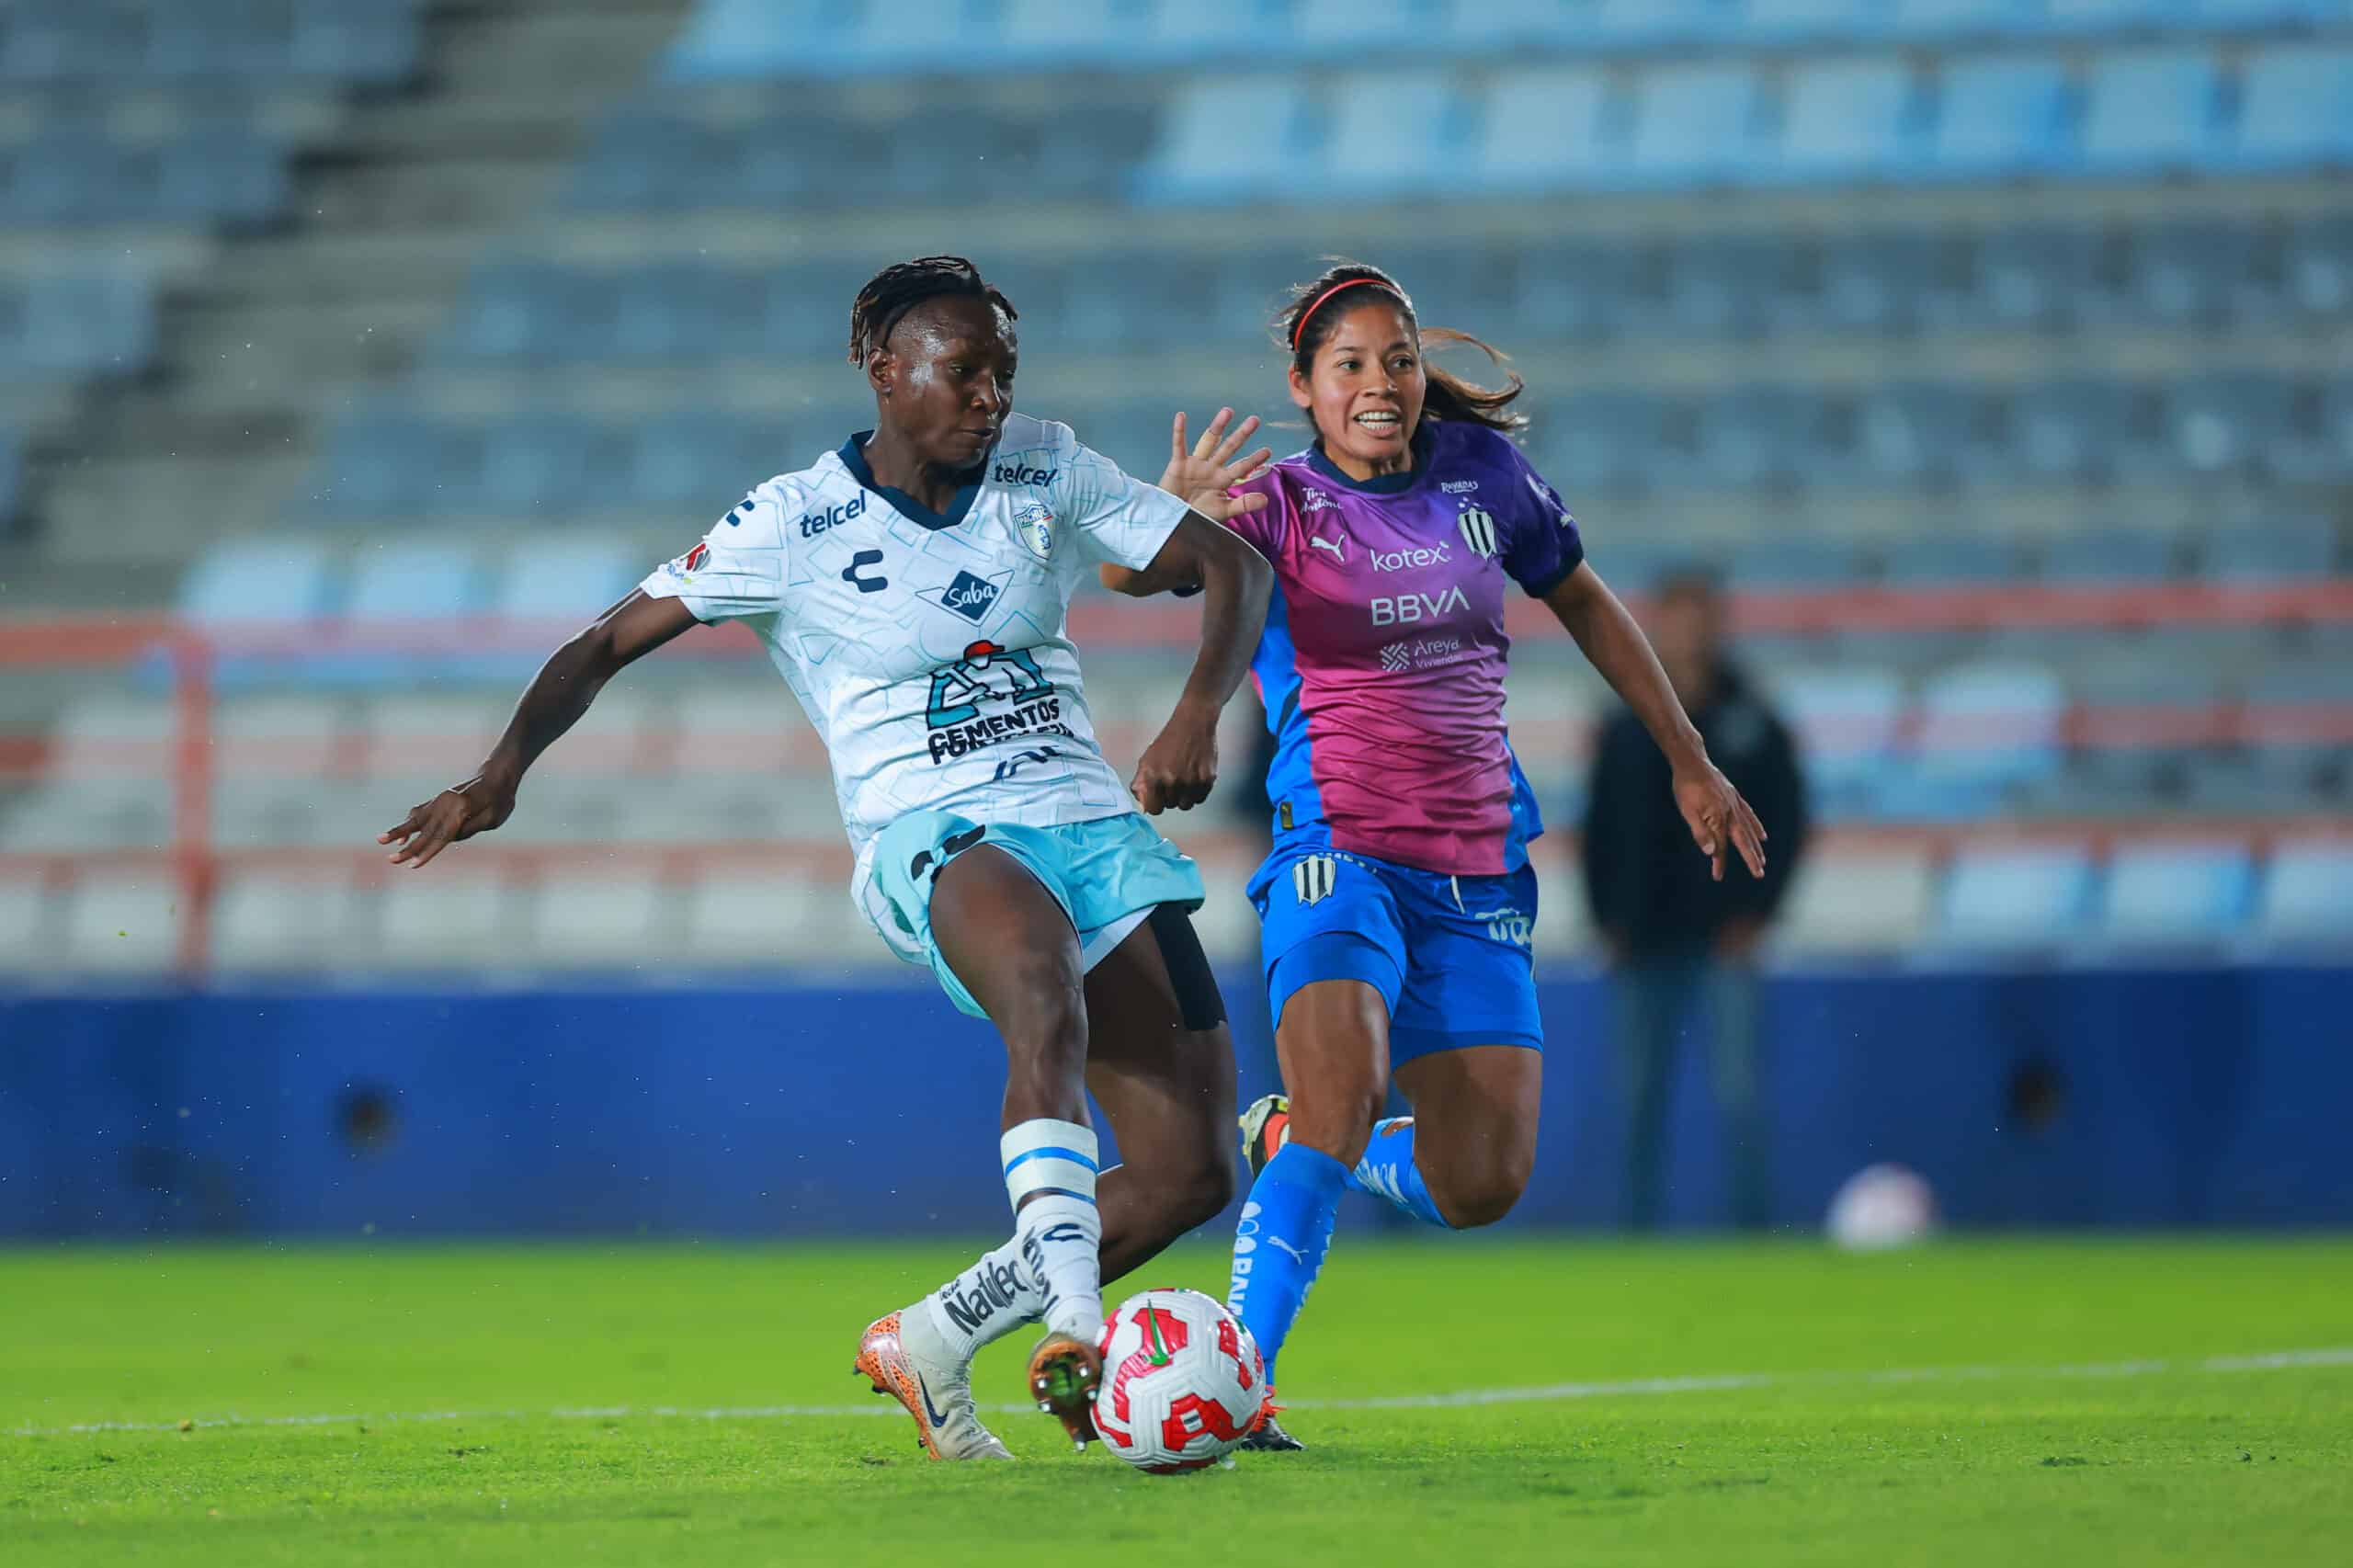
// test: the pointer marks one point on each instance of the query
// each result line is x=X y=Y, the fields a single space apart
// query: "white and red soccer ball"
x=1183 y=1383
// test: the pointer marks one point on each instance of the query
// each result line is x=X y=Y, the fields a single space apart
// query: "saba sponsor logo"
x=1406 y=560
x=980 y=1295
x=1022 y=473
x=815 y=523
x=972 y=597
x=1410 y=609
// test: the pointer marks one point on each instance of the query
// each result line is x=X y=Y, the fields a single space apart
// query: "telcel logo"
x=1022 y=473
x=816 y=523
x=1408 y=609
x=1404 y=560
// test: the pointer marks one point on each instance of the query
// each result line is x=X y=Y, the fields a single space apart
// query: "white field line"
x=1543 y=1393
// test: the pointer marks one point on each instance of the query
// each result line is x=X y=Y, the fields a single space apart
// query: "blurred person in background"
x=1682 y=944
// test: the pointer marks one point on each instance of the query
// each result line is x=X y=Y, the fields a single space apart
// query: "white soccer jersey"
x=932 y=652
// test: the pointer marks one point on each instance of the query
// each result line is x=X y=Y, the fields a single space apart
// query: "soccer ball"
x=1182 y=1382
x=1880 y=1207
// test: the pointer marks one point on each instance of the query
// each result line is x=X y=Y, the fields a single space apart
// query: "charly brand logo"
x=1478 y=531
x=1022 y=473
x=852 y=572
x=1459 y=486
x=1405 y=560
x=1409 y=609
x=1313 y=877
x=1033 y=524
x=969 y=596
x=817 y=522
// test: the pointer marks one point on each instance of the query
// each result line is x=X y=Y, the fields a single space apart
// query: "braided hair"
x=1306 y=321
x=891 y=293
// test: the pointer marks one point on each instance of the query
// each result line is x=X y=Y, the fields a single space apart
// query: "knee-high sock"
x=1285 y=1230
x=1049 y=1169
x=1387 y=1171
x=987 y=1301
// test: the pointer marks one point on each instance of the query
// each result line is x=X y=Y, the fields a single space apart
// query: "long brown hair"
x=1304 y=324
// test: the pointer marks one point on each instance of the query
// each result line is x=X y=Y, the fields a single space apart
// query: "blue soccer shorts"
x=1450 y=955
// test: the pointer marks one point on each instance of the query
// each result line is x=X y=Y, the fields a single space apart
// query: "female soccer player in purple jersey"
x=1397 y=904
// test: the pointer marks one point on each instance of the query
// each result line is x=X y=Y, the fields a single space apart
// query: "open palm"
x=1200 y=473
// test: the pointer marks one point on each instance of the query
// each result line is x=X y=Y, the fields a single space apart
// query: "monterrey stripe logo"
x=1478 y=531
x=1313 y=877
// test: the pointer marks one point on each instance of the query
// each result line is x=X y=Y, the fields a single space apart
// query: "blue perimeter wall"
x=2221 y=1097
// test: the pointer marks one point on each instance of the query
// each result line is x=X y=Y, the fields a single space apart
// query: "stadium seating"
x=2164 y=894
x=82 y=323
x=2022 y=900
x=78 y=41
x=2308 y=895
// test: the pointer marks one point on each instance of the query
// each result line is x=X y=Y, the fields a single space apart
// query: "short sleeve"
x=1264 y=528
x=1122 y=519
x=737 y=570
x=1544 y=546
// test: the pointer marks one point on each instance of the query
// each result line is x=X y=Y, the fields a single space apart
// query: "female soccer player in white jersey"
x=913 y=588
x=1398 y=901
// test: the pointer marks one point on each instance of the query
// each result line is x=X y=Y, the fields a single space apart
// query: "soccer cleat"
x=1065 y=1373
x=895 y=1355
x=1267 y=1434
x=1266 y=1127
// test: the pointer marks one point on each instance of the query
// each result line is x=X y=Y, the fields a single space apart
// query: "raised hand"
x=1201 y=473
x=1719 y=818
x=1178 y=769
x=458 y=813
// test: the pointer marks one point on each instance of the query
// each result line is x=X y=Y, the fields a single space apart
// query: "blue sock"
x=1387 y=1171
x=1285 y=1231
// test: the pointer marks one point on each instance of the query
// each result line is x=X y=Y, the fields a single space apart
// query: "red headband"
x=1301 y=324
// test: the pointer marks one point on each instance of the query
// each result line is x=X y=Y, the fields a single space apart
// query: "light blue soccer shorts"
x=1108 y=875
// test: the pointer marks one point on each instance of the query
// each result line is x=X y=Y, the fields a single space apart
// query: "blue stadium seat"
x=1942 y=19
x=1793 y=563
x=1392 y=133
x=68 y=174
x=1750 y=437
x=680 y=311
x=2021 y=898
x=2070 y=430
x=2286 y=548
x=1693 y=124
x=2296 y=109
x=361 y=42
x=2190 y=273
x=1544 y=126
x=1355 y=30
x=1877 y=282
x=258 y=580
x=2315 y=442
x=2095 y=17
x=520 y=311
x=2317 y=266
x=2148 y=111
x=2224 y=423
x=2142 y=554
x=1809 y=21
x=1915 y=433
x=1035 y=33
x=561 y=577
x=1987 y=727
x=76 y=324
x=413 y=580
x=542 y=462
x=1573 y=292
x=706 y=462
x=1178 y=32
x=1597 y=442
x=1998 y=116
x=1931 y=560
x=2222 y=16
x=1087 y=151
x=1846 y=720
x=1230 y=140
x=1647 y=24
x=757 y=38
x=652 y=160
x=1721 y=287
x=2178 y=894
x=2308 y=892
x=1844 y=119
x=379 y=463
x=223 y=174
x=2034 y=277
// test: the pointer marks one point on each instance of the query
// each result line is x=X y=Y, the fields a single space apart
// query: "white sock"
x=1049 y=1169
x=985 y=1302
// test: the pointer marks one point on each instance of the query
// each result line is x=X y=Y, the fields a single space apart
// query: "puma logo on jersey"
x=1318 y=541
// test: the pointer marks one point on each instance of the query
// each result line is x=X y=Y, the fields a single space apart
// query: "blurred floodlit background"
x=352 y=351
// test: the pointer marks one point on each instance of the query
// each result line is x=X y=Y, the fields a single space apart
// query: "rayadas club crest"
x=1478 y=527
x=1033 y=524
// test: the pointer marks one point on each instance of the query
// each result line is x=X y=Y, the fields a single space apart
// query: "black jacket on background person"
x=1647 y=882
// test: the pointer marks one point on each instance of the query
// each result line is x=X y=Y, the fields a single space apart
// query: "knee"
x=1481 y=1192
x=1336 y=1113
x=1044 y=1009
x=1205 y=1191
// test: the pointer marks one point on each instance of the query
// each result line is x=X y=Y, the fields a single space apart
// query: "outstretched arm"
x=552 y=704
x=1179 y=767
x=1200 y=474
x=1711 y=808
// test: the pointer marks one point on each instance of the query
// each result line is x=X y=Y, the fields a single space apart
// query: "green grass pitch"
x=2087 y=1401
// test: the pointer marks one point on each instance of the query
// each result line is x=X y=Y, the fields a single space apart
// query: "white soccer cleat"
x=901 y=1355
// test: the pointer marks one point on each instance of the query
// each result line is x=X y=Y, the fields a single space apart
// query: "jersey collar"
x=1380 y=483
x=852 y=457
